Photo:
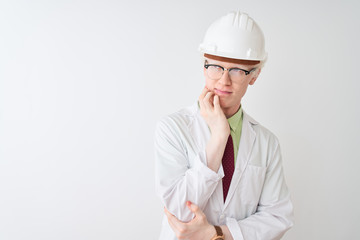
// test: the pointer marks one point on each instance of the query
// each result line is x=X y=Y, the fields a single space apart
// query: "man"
x=219 y=172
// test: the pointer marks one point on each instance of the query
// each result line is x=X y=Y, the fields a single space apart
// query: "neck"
x=229 y=112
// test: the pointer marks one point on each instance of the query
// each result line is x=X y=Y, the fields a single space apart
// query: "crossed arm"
x=197 y=229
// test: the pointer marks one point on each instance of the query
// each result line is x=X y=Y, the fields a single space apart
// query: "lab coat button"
x=222 y=217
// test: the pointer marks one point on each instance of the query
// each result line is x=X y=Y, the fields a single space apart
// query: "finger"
x=201 y=97
x=170 y=217
x=203 y=93
x=207 y=102
x=170 y=221
x=176 y=223
x=194 y=209
x=168 y=214
x=217 y=103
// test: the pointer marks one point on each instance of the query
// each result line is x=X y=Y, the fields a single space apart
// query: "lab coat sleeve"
x=274 y=214
x=177 y=178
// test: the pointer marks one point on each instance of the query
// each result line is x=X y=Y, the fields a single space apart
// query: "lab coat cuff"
x=209 y=173
x=234 y=229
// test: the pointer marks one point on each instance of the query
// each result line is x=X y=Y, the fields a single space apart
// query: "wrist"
x=219 y=235
x=226 y=232
x=219 y=138
x=222 y=132
x=210 y=232
x=214 y=151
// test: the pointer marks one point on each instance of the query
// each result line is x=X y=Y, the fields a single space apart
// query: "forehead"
x=244 y=64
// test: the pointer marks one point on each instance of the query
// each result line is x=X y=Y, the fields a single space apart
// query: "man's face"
x=230 y=91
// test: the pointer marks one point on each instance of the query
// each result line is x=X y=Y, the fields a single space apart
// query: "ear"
x=253 y=79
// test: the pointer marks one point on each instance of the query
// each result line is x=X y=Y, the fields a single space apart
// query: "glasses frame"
x=206 y=65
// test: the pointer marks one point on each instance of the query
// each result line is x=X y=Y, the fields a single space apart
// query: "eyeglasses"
x=215 y=72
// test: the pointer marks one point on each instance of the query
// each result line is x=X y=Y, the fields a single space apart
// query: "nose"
x=225 y=78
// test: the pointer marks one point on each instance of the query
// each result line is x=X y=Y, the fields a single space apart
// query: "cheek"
x=241 y=89
x=209 y=84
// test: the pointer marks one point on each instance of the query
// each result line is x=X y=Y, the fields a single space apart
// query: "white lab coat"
x=258 y=203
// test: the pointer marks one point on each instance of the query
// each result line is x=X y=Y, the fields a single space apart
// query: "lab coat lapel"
x=246 y=144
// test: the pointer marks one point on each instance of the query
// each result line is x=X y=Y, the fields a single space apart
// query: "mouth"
x=221 y=92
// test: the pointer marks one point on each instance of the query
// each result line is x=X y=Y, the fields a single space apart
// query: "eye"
x=237 y=71
x=215 y=68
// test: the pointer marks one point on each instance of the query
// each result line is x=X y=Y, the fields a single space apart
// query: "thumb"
x=194 y=208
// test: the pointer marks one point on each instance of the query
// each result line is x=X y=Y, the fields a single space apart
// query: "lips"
x=221 y=92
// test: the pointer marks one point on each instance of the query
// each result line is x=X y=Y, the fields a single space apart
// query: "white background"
x=83 y=83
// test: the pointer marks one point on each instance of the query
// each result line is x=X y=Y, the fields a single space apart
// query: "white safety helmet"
x=237 y=36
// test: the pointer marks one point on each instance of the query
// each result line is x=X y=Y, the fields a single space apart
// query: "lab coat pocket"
x=250 y=188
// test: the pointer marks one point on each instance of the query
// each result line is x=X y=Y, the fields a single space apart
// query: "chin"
x=229 y=105
x=224 y=102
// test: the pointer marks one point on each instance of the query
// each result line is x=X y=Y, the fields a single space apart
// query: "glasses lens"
x=236 y=74
x=214 y=72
